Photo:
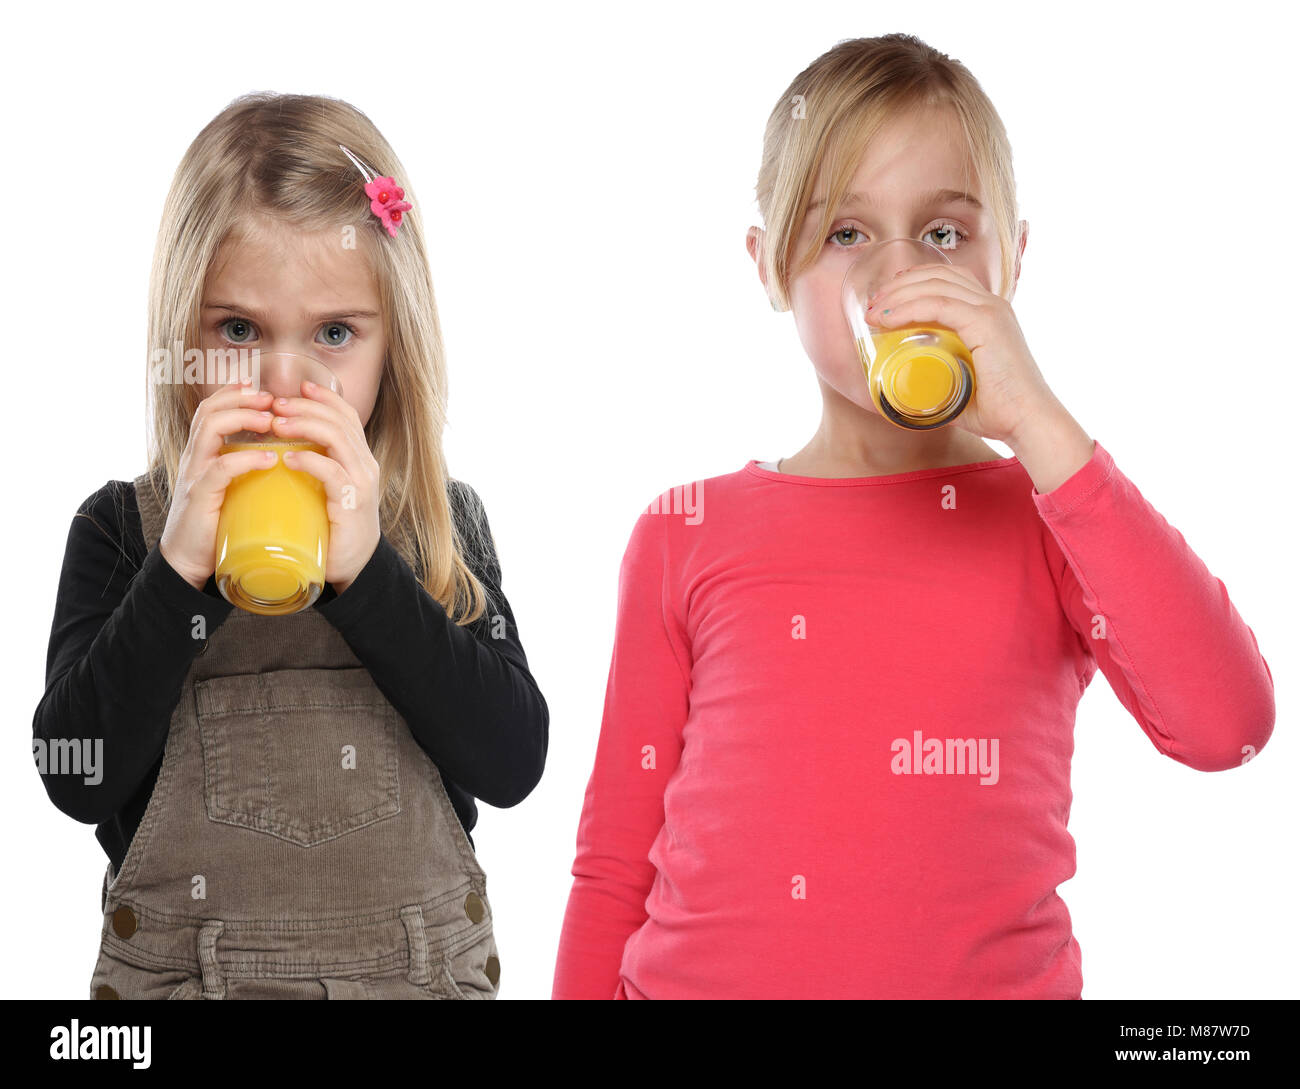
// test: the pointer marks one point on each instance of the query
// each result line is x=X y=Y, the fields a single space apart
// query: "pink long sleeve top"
x=835 y=754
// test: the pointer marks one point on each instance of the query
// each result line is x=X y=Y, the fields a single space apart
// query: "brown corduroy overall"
x=298 y=843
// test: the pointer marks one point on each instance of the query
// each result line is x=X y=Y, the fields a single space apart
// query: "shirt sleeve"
x=466 y=692
x=1156 y=621
x=647 y=698
x=126 y=630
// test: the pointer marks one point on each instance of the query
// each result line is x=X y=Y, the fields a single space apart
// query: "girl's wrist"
x=1051 y=446
x=181 y=574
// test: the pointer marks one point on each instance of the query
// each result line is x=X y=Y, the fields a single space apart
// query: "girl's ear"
x=1023 y=230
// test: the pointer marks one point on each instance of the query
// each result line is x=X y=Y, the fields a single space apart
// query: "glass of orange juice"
x=273 y=531
x=920 y=376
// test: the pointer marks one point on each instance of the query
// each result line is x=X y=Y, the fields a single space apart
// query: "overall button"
x=105 y=991
x=124 y=922
x=493 y=969
x=474 y=907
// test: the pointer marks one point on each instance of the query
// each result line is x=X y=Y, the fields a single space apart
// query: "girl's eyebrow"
x=934 y=196
x=323 y=316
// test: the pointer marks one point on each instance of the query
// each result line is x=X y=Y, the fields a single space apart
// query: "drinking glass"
x=273 y=531
x=920 y=376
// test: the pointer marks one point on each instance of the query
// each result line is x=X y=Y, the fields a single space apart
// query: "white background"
x=585 y=178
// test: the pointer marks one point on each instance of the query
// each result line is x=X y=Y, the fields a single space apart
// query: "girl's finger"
x=946 y=308
x=328 y=471
x=295 y=407
x=327 y=396
x=933 y=276
x=215 y=426
x=222 y=470
x=931 y=271
x=892 y=298
x=328 y=433
x=233 y=395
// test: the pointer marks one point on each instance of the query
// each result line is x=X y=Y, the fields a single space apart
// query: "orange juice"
x=272 y=535
x=922 y=376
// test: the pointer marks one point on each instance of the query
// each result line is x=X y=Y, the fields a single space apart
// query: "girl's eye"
x=236 y=330
x=843 y=236
x=954 y=235
x=838 y=235
x=336 y=333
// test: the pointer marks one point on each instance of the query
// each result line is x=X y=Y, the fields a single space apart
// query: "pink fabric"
x=748 y=830
x=386 y=202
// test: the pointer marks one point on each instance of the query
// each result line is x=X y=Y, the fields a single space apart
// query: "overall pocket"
x=114 y=977
x=305 y=755
x=474 y=970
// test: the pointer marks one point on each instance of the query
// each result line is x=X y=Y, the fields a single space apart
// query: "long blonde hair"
x=827 y=117
x=278 y=155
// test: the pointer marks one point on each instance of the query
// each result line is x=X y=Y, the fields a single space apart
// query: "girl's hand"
x=1009 y=388
x=350 y=474
x=188 y=541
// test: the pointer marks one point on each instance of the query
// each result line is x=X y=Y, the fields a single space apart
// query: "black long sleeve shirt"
x=114 y=669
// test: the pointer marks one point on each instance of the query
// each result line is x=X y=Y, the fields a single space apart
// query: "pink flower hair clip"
x=385 y=195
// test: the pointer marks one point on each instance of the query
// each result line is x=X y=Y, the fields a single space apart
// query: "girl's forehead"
x=902 y=160
x=265 y=236
x=913 y=146
x=277 y=250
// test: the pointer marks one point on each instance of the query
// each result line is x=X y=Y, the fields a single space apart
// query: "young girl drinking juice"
x=835 y=754
x=286 y=800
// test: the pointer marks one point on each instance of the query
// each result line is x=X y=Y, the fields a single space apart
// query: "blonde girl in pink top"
x=835 y=754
